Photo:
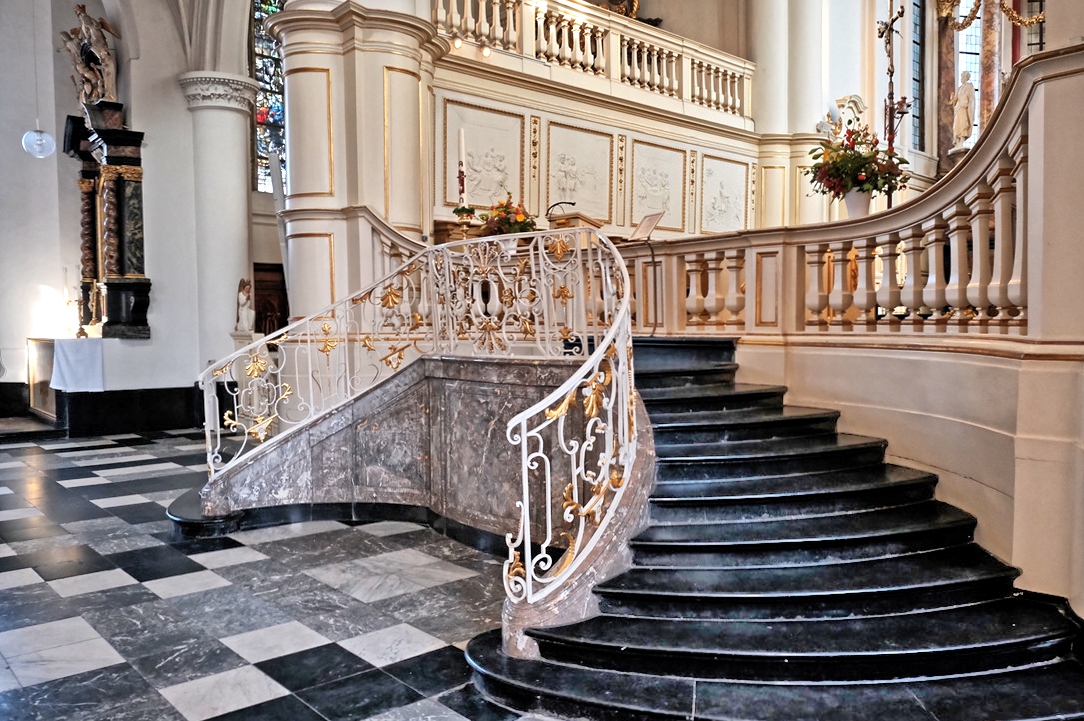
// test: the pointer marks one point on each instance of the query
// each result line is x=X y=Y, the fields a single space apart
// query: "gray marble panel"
x=333 y=466
x=393 y=446
x=275 y=479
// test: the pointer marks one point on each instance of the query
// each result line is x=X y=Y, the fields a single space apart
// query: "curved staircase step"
x=990 y=636
x=741 y=424
x=823 y=539
x=901 y=584
x=780 y=456
x=711 y=397
x=801 y=495
x=711 y=373
x=541 y=686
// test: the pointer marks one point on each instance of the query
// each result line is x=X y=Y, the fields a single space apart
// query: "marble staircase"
x=789 y=574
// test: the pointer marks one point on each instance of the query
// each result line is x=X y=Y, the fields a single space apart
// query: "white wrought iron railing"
x=584 y=38
x=534 y=295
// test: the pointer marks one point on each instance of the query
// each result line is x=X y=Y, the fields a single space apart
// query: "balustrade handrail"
x=836 y=278
x=534 y=295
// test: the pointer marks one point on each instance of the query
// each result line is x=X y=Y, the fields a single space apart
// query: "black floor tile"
x=313 y=667
x=27 y=529
x=148 y=564
x=140 y=512
x=12 y=501
x=470 y=704
x=67 y=569
x=191 y=546
x=434 y=672
x=172 y=482
x=287 y=708
x=359 y=697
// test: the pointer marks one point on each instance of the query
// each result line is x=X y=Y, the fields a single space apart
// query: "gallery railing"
x=551 y=294
x=953 y=262
x=586 y=39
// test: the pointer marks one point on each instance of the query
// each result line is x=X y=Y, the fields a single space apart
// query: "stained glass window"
x=270 y=116
x=1036 y=34
x=918 y=73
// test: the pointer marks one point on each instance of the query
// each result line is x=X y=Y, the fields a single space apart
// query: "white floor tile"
x=31 y=639
x=389 y=528
x=278 y=533
x=16 y=513
x=79 y=482
x=427 y=710
x=6 y=550
x=61 y=661
x=274 y=641
x=7 y=679
x=75 y=444
x=227 y=557
x=197 y=467
x=89 y=462
x=17 y=445
x=123 y=436
x=91 y=582
x=186 y=583
x=392 y=644
x=215 y=695
x=18 y=577
x=115 y=501
x=119 y=453
x=396 y=561
x=113 y=472
x=4 y=490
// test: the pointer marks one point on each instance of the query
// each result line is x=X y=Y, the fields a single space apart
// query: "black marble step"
x=742 y=424
x=689 y=376
x=901 y=584
x=653 y=355
x=824 y=539
x=800 y=495
x=1054 y=690
x=712 y=397
x=996 y=635
x=774 y=457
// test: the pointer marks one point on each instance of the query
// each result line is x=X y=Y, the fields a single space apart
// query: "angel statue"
x=94 y=62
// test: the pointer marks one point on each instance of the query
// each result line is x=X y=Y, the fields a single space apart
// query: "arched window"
x=968 y=49
x=270 y=116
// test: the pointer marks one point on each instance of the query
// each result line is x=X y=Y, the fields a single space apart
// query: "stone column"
x=221 y=105
x=989 y=61
x=806 y=66
x=768 y=26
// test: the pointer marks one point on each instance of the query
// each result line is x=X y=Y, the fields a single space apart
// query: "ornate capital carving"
x=127 y=172
x=209 y=89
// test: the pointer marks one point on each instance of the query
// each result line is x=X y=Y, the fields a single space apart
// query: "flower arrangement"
x=856 y=162
x=463 y=211
x=505 y=218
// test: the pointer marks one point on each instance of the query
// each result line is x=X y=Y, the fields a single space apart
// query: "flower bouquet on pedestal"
x=856 y=162
x=506 y=218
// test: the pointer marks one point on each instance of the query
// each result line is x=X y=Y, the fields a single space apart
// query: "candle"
x=462 y=166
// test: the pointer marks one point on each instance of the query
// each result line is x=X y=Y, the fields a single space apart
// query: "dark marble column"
x=88 y=249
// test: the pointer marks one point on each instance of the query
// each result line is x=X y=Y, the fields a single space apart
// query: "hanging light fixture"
x=37 y=142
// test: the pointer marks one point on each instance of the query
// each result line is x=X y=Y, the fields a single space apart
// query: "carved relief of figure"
x=246 y=315
x=88 y=80
x=653 y=189
x=725 y=211
x=94 y=57
x=963 y=114
x=487 y=175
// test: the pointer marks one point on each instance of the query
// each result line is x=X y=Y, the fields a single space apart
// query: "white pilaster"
x=221 y=106
x=769 y=45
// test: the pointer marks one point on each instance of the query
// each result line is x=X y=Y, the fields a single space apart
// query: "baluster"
x=911 y=295
x=564 y=51
x=735 y=104
x=888 y=295
x=718 y=101
x=956 y=290
x=601 y=56
x=481 y=27
x=1018 y=284
x=674 y=73
x=468 y=19
x=664 y=72
x=575 y=36
x=981 y=214
x=694 y=295
x=695 y=79
x=715 y=299
x=735 y=294
x=934 y=295
x=540 y=34
x=1004 y=197
x=511 y=34
x=641 y=63
x=634 y=62
x=864 y=296
x=816 y=299
x=626 y=60
x=840 y=298
x=497 y=31
x=441 y=15
x=588 y=49
x=551 y=44
x=453 y=18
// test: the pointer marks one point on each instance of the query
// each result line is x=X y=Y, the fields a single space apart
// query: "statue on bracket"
x=93 y=61
x=246 y=314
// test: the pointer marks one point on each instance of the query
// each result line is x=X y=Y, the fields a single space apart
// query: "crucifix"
x=894 y=110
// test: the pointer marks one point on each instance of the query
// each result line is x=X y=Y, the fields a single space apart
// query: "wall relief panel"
x=580 y=169
x=494 y=143
x=724 y=200
x=658 y=184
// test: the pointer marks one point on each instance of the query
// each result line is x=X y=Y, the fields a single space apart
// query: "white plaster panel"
x=725 y=197
x=580 y=169
x=494 y=146
x=772 y=200
x=658 y=184
x=993 y=509
x=402 y=147
x=1046 y=494
x=1049 y=395
x=309 y=116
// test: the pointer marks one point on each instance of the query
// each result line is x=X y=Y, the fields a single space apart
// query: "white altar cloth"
x=77 y=365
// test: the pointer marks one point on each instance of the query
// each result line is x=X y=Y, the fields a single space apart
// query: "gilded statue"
x=95 y=66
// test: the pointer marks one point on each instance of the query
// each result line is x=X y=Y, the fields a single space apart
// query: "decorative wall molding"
x=207 y=89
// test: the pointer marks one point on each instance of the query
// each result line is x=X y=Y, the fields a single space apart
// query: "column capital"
x=210 y=89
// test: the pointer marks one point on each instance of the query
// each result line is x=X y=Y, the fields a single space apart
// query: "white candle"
x=462 y=174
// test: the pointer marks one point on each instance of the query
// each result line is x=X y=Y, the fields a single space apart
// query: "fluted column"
x=221 y=105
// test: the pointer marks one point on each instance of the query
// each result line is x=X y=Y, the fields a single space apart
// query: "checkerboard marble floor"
x=103 y=617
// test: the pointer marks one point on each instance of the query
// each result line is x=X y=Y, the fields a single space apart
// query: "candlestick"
x=462 y=175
